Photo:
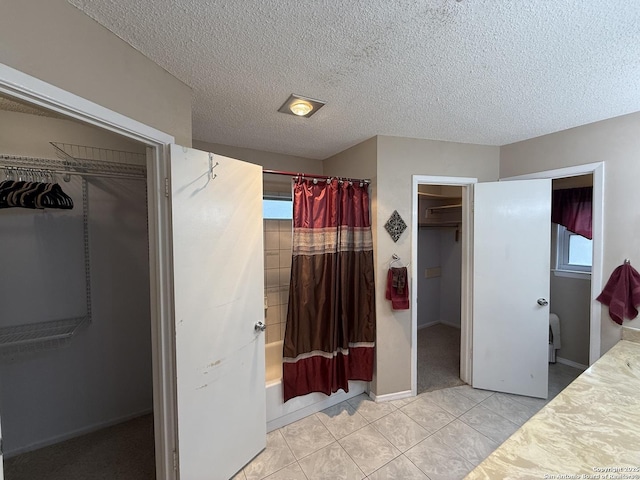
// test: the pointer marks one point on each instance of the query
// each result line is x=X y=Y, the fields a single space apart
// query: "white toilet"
x=554 y=336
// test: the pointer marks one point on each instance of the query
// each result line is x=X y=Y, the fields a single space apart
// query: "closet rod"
x=69 y=172
x=311 y=176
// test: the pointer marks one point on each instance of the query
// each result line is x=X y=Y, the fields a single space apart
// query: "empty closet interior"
x=75 y=328
x=439 y=286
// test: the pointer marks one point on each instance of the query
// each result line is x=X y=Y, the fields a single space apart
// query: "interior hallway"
x=436 y=435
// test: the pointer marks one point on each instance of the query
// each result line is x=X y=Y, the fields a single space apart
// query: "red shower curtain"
x=330 y=331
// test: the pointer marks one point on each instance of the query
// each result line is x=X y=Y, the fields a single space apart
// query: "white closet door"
x=219 y=292
x=511 y=235
x=1 y=456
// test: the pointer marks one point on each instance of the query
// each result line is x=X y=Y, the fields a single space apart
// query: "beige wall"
x=616 y=142
x=54 y=42
x=269 y=160
x=398 y=159
x=390 y=162
x=29 y=135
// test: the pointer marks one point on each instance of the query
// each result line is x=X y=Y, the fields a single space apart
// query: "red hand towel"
x=398 y=294
x=622 y=293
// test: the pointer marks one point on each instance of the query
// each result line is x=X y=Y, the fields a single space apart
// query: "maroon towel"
x=622 y=293
x=397 y=288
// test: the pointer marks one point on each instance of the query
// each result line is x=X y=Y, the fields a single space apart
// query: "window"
x=277 y=208
x=574 y=252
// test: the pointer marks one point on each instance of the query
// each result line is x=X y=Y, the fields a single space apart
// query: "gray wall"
x=104 y=373
x=569 y=299
x=429 y=291
x=439 y=296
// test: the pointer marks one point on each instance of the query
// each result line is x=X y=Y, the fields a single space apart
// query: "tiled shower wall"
x=277 y=263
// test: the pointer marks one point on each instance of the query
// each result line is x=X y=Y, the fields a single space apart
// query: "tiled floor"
x=437 y=435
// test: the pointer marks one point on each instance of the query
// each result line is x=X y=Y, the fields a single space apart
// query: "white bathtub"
x=280 y=414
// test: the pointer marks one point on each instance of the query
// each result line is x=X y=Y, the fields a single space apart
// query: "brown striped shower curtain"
x=331 y=320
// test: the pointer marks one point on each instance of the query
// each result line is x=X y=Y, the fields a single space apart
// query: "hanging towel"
x=622 y=293
x=554 y=327
x=397 y=288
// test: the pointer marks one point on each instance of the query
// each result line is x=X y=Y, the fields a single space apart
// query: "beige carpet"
x=120 y=452
x=438 y=358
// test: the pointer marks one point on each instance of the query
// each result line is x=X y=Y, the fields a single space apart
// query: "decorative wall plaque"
x=395 y=225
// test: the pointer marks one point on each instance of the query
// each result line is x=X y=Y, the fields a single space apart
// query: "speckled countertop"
x=589 y=430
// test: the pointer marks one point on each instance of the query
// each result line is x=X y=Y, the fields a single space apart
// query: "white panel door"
x=1 y=457
x=511 y=268
x=219 y=292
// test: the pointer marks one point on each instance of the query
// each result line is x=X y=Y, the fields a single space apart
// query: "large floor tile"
x=369 y=449
x=465 y=441
x=400 y=468
x=454 y=403
x=369 y=409
x=403 y=401
x=292 y=472
x=341 y=419
x=306 y=436
x=509 y=408
x=400 y=430
x=428 y=415
x=438 y=461
x=489 y=423
x=273 y=458
x=331 y=463
x=475 y=394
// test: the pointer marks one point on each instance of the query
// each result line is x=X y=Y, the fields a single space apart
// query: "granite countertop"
x=589 y=430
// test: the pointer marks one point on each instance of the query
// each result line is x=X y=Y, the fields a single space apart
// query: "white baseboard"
x=450 y=324
x=571 y=363
x=387 y=397
x=430 y=324
x=74 y=433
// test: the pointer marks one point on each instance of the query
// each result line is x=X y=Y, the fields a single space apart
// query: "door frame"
x=597 y=169
x=34 y=91
x=467 y=261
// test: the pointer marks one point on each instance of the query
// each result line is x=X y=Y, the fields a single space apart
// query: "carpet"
x=438 y=358
x=121 y=452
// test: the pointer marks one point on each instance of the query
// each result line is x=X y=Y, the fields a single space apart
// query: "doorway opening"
x=570 y=285
x=35 y=93
x=75 y=357
x=439 y=286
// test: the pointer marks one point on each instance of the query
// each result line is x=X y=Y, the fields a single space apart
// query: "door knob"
x=260 y=327
x=543 y=302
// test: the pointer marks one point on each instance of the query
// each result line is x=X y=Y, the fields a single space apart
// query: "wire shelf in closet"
x=82 y=161
x=54 y=332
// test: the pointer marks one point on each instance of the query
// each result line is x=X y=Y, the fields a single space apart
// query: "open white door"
x=511 y=268
x=219 y=298
x=1 y=457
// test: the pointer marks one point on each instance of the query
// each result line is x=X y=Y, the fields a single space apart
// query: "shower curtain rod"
x=320 y=177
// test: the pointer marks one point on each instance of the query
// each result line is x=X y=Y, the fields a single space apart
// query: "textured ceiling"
x=475 y=71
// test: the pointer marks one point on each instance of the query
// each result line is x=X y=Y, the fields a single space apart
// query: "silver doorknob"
x=542 y=302
x=260 y=327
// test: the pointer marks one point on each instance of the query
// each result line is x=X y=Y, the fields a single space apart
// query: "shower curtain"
x=330 y=330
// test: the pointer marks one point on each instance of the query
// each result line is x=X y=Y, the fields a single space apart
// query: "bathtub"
x=280 y=414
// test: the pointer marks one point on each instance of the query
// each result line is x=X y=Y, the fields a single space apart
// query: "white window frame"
x=563 y=267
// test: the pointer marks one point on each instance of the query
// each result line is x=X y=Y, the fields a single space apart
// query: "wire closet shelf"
x=83 y=161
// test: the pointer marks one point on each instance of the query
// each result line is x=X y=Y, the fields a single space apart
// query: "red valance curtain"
x=572 y=208
x=330 y=331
